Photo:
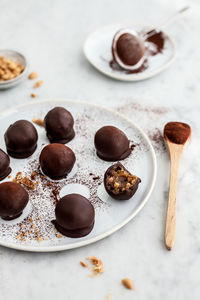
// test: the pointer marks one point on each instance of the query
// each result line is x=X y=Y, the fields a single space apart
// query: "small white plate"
x=97 y=49
x=86 y=177
x=20 y=58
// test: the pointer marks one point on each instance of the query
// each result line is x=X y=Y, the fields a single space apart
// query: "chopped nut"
x=128 y=283
x=38 y=121
x=33 y=75
x=93 y=259
x=38 y=84
x=9 y=176
x=34 y=175
x=83 y=264
x=116 y=184
x=59 y=236
x=33 y=95
x=98 y=265
x=31 y=220
x=24 y=180
x=39 y=239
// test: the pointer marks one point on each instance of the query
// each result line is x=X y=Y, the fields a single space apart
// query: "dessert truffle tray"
x=33 y=230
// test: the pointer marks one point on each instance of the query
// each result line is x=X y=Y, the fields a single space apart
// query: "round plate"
x=97 y=49
x=86 y=178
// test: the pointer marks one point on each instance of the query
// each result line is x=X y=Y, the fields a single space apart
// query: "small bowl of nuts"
x=13 y=68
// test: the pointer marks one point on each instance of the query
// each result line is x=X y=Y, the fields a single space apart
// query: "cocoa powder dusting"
x=177 y=132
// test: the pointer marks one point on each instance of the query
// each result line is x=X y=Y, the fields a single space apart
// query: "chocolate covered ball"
x=59 y=125
x=4 y=165
x=13 y=199
x=111 y=144
x=21 y=139
x=128 y=49
x=119 y=183
x=57 y=161
x=74 y=216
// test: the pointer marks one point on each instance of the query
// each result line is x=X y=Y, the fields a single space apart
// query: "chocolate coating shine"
x=119 y=183
x=59 y=125
x=4 y=165
x=74 y=216
x=57 y=160
x=111 y=144
x=21 y=139
x=13 y=199
x=129 y=49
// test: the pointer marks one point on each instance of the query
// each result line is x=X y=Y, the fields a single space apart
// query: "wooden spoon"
x=176 y=135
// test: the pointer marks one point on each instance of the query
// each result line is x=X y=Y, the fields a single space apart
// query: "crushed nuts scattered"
x=24 y=181
x=97 y=265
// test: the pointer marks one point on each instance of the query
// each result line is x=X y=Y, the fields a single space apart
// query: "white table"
x=51 y=34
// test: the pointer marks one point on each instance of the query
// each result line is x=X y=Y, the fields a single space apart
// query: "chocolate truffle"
x=74 y=216
x=111 y=144
x=4 y=165
x=13 y=199
x=128 y=49
x=21 y=139
x=57 y=160
x=119 y=183
x=59 y=125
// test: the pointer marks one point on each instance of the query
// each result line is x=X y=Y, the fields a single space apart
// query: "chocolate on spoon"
x=176 y=135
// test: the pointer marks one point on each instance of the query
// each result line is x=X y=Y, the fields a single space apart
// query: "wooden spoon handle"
x=170 y=229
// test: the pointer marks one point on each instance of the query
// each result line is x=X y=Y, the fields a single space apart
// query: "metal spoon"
x=153 y=30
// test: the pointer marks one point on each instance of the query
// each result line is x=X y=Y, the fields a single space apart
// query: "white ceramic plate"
x=97 y=49
x=86 y=177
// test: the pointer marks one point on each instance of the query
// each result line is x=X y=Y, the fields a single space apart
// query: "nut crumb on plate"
x=38 y=121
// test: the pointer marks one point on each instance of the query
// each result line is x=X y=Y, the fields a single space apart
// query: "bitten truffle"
x=13 y=199
x=74 y=216
x=59 y=125
x=119 y=183
x=4 y=165
x=57 y=161
x=21 y=139
x=128 y=49
x=111 y=144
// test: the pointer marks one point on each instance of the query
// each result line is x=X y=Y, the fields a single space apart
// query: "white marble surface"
x=51 y=34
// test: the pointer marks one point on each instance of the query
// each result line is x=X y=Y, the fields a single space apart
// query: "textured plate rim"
x=130 y=77
x=114 y=228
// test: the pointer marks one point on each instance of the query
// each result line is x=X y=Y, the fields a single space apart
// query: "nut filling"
x=120 y=183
